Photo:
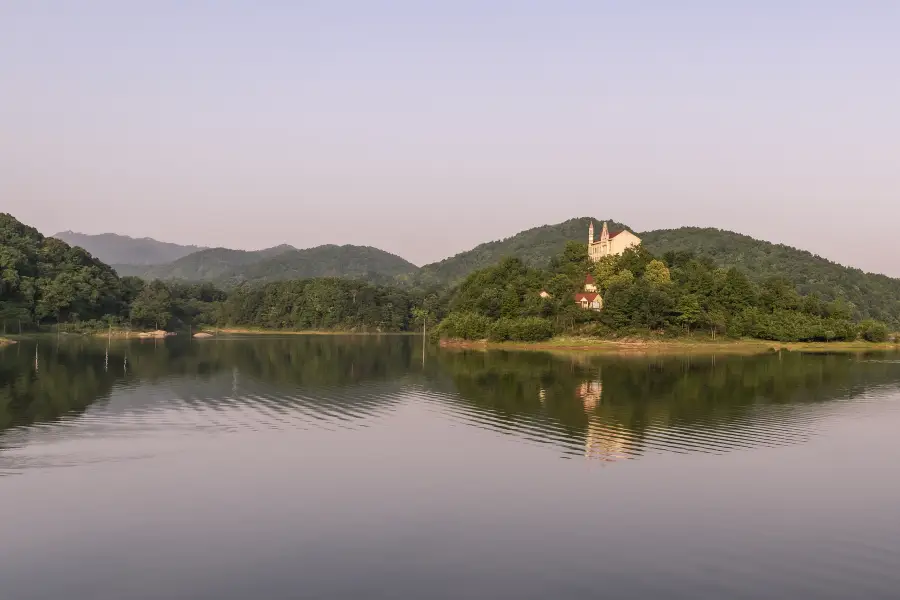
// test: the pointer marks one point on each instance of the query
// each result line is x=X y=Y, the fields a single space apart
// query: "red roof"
x=612 y=235
x=589 y=278
x=589 y=296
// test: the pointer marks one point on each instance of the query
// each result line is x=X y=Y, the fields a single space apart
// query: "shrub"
x=794 y=326
x=465 y=325
x=499 y=330
x=531 y=329
x=526 y=329
x=873 y=331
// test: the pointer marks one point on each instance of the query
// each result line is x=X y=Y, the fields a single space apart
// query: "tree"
x=737 y=292
x=778 y=293
x=622 y=278
x=574 y=262
x=689 y=311
x=560 y=288
x=657 y=273
x=605 y=269
x=153 y=305
x=635 y=259
x=839 y=309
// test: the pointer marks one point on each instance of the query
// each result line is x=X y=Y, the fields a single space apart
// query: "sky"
x=425 y=128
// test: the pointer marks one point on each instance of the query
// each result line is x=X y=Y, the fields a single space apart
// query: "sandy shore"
x=246 y=331
x=122 y=334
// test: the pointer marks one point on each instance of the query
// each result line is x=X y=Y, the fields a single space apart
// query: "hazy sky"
x=424 y=128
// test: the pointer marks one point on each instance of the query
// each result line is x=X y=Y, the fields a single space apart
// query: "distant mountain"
x=535 y=246
x=355 y=262
x=123 y=250
x=226 y=266
x=210 y=264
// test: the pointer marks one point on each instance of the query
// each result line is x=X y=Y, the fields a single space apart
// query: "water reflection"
x=609 y=408
x=598 y=407
x=331 y=466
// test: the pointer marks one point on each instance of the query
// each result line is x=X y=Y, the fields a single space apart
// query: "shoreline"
x=676 y=346
x=127 y=334
x=252 y=331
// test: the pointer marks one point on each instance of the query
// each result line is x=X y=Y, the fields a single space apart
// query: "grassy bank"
x=673 y=346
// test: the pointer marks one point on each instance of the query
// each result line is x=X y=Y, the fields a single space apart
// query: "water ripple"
x=173 y=410
x=762 y=426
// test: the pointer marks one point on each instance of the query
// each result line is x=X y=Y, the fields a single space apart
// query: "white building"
x=610 y=244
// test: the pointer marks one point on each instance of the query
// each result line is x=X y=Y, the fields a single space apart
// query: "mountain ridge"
x=228 y=266
x=123 y=249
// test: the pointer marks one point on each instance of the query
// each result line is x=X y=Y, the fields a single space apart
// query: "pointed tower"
x=591 y=233
x=604 y=235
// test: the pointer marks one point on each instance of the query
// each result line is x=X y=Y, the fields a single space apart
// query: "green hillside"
x=874 y=296
x=535 y=247
x=226 y=266
x=45 y=279
x=117 y=249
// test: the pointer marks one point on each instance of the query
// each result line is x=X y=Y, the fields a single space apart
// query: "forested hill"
x=44 y=278
x=225 y=266
x=354 y=262
x=875 y=296
x=211 y=264
x=535 y=247
x=121 y=249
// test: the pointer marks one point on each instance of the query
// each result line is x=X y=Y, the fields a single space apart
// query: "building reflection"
x=601 y=442
x=590 y=393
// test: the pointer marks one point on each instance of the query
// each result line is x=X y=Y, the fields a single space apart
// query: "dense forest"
x=327 y=303
x=872 y=296
x=45 y=279
x=677 y=294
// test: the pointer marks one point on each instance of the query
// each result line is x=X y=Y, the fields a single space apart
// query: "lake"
x=359 y=467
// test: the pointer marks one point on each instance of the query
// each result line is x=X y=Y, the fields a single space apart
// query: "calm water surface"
x=346 y=467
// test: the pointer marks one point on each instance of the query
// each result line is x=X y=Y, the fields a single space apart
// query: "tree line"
x=44 y=281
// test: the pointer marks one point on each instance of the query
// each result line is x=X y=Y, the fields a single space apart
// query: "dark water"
x=342 y=467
